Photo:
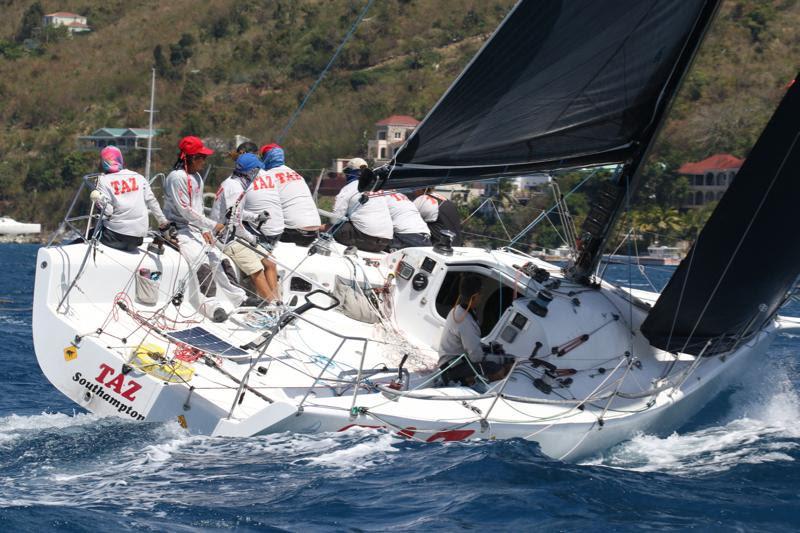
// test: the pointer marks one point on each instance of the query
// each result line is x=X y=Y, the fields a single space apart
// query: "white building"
x=75 y=23
x=390 y=134
x=339 y=163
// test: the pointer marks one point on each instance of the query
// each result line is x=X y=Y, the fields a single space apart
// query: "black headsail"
x=560 y=84
x=747 y=258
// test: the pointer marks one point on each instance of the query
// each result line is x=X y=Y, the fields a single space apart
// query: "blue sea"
x=733 y=467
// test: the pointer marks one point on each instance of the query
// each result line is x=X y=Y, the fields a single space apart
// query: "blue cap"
x=247 y=162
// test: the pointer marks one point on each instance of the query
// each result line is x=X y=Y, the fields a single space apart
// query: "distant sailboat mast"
x=151 y=112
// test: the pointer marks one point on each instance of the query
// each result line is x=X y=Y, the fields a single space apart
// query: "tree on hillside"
x=160 y=62
x=180 y=52
x=31 y=23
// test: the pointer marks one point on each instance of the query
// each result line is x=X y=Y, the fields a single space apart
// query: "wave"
x=14 y=427
x=761 y=427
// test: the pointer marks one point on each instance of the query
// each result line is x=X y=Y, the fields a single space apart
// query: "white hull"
x=312 y=387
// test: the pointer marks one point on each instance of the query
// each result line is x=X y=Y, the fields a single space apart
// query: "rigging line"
x=316 y=83
x=562 y=237
x=630 y=267
x=623 y=241
x=539 y=218
x=744 y=235
x=476 y=210
x=499 y=218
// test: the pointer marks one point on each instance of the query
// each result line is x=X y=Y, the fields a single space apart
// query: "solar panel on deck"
x=201 y=339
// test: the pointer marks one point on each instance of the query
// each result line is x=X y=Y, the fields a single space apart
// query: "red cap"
x=267 y=147
x=192 y=145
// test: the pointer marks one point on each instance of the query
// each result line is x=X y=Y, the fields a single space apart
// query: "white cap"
x=356 y=163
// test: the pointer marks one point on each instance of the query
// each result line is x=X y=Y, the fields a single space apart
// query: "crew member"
x=126 y=198
x=462 y=335
x=228 y=209
x=301 y=222
x=440 y=214
x=363 y=217
x=183 y=205
x=246 y=147
x=262 y=198
x=409 y=228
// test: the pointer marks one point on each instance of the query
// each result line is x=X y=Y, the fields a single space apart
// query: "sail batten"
x=564 y=82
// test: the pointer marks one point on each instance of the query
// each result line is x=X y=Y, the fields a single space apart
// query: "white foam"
x=14 y=426
x=366 y=453
x=759 y=430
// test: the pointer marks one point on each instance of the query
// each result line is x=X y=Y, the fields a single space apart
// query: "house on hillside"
x=74 y=23
x=390 y=134
x=125 y=139
x=709 y=178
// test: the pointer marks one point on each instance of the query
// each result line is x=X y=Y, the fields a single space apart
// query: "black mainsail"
x=743 y=264
x=560 y=84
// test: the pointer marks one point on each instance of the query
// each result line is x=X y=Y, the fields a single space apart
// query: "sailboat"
x=9 y=226
x=559 y=85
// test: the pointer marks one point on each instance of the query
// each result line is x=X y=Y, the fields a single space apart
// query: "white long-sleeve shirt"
x=405 y=216
x=183 y=201
x=428 y=206
x=299 y=209
x=371 y=218
x=231 y=194
x=460 y=337
x=128 y=198
x=263 y=195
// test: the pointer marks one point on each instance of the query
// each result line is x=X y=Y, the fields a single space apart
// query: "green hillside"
x=227 y=68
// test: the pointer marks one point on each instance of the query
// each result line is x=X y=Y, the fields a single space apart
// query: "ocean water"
x=733 y=467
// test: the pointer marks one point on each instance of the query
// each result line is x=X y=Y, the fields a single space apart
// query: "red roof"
x=715 y=162
x=398 y=120
x=63 y=14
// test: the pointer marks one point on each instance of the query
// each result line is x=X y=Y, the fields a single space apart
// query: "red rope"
x=186 y=353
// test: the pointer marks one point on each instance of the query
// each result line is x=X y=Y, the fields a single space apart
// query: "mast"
x=151 y=112
x=599 y=223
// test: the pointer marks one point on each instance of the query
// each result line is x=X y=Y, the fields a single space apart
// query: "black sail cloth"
x=561 y=83
x=747 y=257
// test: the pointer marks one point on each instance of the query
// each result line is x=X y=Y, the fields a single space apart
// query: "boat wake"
x=88 y=461
x=761 y=427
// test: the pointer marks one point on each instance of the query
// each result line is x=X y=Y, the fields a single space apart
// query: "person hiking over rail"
x=126 y=198
x=367 y=225
x=300 y=216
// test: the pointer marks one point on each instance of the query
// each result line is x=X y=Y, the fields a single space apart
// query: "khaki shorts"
x=246 y=259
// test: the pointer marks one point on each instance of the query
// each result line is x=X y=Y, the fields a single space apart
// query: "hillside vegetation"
x=241 y=67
